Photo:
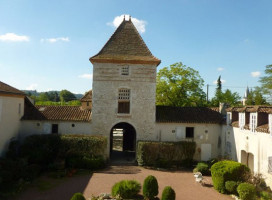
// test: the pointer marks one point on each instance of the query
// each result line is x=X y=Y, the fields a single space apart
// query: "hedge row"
x=164 y=154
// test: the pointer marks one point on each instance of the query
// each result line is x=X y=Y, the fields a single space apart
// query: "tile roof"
x=87 y=96
x=7 y=89
x=263 y=128
x=59 y=113
x=125 y=46
x=170 y=114
x=259 y=108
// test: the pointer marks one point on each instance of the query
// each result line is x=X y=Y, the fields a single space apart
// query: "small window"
x=125 y=70
x=270 y=164
x=124 y=101
x=55 y=128
x=189 y=132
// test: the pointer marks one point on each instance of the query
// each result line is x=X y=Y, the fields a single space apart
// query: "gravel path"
x=101 y=182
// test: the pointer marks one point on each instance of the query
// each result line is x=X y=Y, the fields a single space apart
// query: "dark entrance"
x=123 y=142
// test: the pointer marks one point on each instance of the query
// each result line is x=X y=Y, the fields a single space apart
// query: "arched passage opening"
x=123 y=142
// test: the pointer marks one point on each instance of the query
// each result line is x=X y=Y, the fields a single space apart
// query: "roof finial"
x=124 y=18
x=130 y=18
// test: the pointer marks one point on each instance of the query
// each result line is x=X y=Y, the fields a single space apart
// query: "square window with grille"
x=124 y=101
x=125 y=70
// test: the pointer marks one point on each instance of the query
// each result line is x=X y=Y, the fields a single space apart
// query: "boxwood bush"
x=150 y=187
x=78 y=196
x=203 y=168
x=231 y=187
x=246 y=191
x=126 y=189
x=168 y=193
x=227 y=170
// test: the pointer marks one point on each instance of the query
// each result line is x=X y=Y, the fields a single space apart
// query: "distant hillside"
x=36 y=94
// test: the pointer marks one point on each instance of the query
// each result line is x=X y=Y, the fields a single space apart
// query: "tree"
x=66 y=95
x=179 y=85
x=256 y=97
x=266 y=81
x=231 y=98
x=218 y=93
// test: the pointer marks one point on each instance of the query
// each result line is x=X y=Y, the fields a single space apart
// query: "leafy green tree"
x=43 y=96
x=231 y=98
x=256 y=97
x=66 y=95
x=218 y=93
x=266 y=81
x=179 y=85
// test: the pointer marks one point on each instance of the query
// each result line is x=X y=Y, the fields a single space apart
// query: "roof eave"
x=128 y=61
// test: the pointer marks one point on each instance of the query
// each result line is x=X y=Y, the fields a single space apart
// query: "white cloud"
x=255 y=74
x=86 y=76
x=33 y=86
x=220 y=69
x=12 y=37
x=139 y=24
x=53 y=40
x=222 y=81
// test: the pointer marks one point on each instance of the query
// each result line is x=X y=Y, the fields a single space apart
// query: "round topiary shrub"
x=168 y=194
x=78 y=196
x=231 y=187
x=246 y=191
x=203 y=168
x=150 y=187
x=126 y=189
x=227 y=170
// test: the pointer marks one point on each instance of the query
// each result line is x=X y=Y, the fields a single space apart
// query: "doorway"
x=123 y=143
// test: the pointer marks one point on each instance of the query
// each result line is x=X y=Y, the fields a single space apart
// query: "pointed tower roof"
x=125 y=46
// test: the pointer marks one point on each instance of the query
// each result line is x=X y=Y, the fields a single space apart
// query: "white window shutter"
x=180 y=132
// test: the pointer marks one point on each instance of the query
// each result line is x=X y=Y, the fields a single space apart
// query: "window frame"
x=242 y=120
x=124 y=96
x=253 y=122
x=125 y=70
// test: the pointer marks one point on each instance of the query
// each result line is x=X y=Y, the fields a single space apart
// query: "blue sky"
x=46 y=45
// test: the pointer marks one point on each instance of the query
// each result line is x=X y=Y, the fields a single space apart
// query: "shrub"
x=126 y=189
x=203 y=168
x=84 y=162
x=168 y=194
x=265 y=195
x=78 y=196
x=246 y=191
x=227 y=170
x=231 y=187
x=150 y=187
x=164 y=153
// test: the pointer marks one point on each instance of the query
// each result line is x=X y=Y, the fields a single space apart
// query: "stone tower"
x=124 y=87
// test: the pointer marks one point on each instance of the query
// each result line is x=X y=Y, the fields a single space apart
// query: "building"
x=11 y=111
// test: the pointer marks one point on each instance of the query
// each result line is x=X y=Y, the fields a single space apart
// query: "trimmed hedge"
x=126 y=189
x=246 y=191
x=227 y=170
x=164 y=154
x=150 y=187
x=231 y=187
x=168 y=193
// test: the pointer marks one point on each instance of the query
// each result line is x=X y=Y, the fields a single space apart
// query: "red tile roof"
x=58 y=113
x=125 y=46
x=7 y=89
x=170 y=114
x=259 y=108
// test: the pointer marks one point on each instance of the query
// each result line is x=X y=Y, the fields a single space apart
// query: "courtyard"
x=183 y=182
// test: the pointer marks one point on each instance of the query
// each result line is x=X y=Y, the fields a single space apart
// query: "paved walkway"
x=101 y=182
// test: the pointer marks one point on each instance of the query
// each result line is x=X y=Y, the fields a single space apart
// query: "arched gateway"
x=122 y=141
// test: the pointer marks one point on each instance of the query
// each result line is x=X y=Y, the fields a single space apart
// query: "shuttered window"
x=124 y=101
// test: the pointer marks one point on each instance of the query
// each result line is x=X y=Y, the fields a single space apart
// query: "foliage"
x=164 y=154
x=52 y=103
x=66 y=95
x=231 y=98
x=227 y=170
x=255 y=97
x=246 y=191
x=168 y=194
x=78 y=196
x=84 y=162
x=203 y=168
x=265 y=195
x=126 y=189
x=150 y=187
x=231 y=187
x=266 y=81
x=179 y=85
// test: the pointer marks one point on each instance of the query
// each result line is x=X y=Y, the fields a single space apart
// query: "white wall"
x=259 y=144
x=30 y=127
x=203 y=134
x=10 y=115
